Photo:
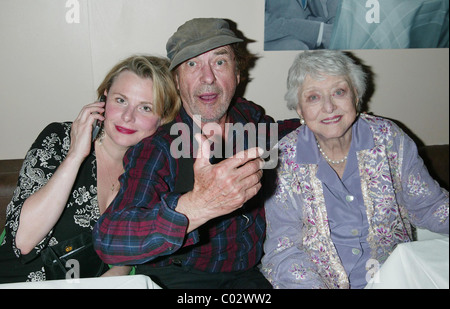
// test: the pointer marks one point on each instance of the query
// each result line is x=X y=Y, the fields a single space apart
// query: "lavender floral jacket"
x=396 y=189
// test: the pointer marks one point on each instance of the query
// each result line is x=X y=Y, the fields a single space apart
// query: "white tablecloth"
x=118 y=282
x=415 y=265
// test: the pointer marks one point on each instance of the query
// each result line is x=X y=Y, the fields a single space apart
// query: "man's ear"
x=176 y=79
x=177 y=82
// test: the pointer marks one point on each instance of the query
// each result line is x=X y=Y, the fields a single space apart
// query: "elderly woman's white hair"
x=319 y=63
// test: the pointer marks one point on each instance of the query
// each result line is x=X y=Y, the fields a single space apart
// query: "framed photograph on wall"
x=356 y=24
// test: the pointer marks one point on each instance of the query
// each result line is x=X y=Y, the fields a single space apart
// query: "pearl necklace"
x=328 y=159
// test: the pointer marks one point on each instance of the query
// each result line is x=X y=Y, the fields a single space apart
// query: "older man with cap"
x=190 y=221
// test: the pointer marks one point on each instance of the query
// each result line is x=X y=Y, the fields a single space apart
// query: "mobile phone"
x=97 y=124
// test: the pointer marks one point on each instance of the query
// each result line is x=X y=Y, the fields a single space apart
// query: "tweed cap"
x=196 y=37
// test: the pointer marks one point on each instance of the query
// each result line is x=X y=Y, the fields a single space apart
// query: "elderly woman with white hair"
x=349 y=186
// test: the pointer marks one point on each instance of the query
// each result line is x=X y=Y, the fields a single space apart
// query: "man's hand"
x=221 y=188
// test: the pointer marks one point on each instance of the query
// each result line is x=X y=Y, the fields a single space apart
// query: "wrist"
x=73 y=158
x=71 y=163
x=188 y=206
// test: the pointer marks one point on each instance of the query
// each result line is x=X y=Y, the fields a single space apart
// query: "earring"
x=302 y=121
x=101 y=136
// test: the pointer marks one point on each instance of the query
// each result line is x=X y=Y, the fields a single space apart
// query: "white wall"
x=50 y=68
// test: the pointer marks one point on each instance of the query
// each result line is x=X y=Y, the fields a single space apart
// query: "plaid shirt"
x=142 y=226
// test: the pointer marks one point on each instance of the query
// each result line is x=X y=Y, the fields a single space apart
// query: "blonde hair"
x=165 y=96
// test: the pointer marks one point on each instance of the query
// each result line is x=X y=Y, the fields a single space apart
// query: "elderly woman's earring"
x=302 y=121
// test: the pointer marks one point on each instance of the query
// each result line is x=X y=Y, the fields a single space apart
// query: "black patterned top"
x=80 y=214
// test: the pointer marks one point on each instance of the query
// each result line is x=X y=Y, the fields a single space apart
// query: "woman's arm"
x=117 y=271
x=41 y=210
x=285 y=263
x=426 y=202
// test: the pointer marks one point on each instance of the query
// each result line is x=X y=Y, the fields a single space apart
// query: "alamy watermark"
x=373 y=14
x=238 y=138
x=373 y=267
x=73 y=272
x=73 y=12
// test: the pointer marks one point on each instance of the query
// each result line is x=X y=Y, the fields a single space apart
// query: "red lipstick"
x=332 y=120
x=124 y=130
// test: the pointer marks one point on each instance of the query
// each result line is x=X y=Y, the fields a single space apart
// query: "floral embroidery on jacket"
x=380 y=171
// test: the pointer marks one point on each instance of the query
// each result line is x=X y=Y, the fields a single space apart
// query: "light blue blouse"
x=323 y=231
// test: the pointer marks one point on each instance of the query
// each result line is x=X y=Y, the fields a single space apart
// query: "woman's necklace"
x=113 y=184
x=328 y=159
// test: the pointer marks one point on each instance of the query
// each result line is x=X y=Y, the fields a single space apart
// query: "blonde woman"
x=68 y=180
